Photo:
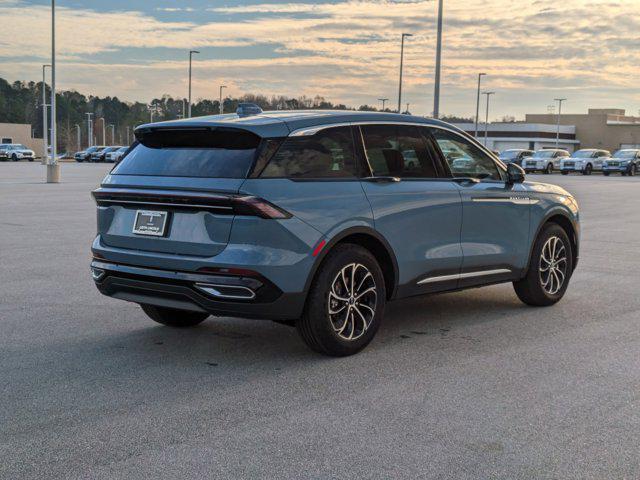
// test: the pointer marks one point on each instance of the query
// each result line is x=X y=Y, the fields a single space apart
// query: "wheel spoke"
x=350 y=317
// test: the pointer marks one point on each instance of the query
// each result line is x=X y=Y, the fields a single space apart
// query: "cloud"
x=347 y=50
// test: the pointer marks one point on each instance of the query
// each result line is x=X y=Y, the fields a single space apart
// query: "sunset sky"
x=345 y=50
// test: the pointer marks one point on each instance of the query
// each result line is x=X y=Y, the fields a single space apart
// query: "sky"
x=347 y=51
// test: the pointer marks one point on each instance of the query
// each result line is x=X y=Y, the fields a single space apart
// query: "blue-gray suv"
x=318 y=218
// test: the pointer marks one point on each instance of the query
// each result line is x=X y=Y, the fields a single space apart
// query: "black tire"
x=531 y=289
x=606 y=174
x=632 y=170
x=14 y=158
x=172 y=317
x=565 y=173
x=318 y=328
x=549 y=169
x=588 y=170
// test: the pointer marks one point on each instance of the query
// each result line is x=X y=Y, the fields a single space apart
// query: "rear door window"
x=329 y=153
x=397 y=151
x=207 y=153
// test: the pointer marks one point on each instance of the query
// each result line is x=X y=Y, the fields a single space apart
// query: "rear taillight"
x=258 y=207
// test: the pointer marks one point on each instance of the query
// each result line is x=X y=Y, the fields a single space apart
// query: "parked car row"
x=16 y=152
x=111 y=154
x=585 y=161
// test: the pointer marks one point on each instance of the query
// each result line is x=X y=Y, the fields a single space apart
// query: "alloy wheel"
x=352 y=301
x=553 y=265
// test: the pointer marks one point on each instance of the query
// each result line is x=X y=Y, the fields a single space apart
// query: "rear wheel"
x=172 y=317
x=345 y=304
x=550 y=268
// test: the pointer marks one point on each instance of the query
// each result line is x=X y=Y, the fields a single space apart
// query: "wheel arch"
x=562 y=219
x=375 y=243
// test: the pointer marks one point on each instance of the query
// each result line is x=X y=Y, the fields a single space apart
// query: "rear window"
x=209 y=153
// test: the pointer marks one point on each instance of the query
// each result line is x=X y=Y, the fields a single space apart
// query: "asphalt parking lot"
x=470 y=385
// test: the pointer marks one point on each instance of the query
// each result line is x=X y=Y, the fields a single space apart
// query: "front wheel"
x=173 y=317
x=565 y=173
x=549 y=169
x=606 y=174
x=550 y=268
x=588 y=170
x=346 y=303
x=14 y=157
x=632 y=170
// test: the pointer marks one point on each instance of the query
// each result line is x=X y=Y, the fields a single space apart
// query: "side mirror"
x=515 y=174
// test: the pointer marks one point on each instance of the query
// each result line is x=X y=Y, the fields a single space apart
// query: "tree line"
x=21 y=102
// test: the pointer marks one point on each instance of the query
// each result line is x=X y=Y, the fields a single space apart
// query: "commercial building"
x=608 y=128
x=533 y=136
x=20 y=133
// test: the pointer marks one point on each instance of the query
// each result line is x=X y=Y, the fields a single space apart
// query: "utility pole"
x=191 y=52
x=486 y=123
x=559 y=100
x=45 y=122
x=53 y=169
x=89 y=130
x=480 y=75
x=384 y=101
x=436 y=96
x=221 y=102
x=404 y=35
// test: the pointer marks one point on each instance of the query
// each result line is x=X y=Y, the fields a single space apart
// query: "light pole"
x=559 y=100
x=78 y=137
x=128 y=141
x=221 y=103
x=486 y=123
x=45 y=122
x=480 y=75
x=104 y=133
x=89 y=130
x=384 y=101
x=191 y=52
x=404 y=35
x=436 y=96
x=407 y=110
x=53 y=169
x=113 y=134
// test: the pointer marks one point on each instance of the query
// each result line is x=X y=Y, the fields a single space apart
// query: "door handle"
x=382 y=179
x=466 y=180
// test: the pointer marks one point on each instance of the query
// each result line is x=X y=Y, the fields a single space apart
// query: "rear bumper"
x=197 y=291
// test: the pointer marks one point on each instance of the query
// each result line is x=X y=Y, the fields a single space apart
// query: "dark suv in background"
x=317 y=219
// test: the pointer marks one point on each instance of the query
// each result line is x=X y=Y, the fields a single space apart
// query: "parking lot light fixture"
x=191 y=53
x=113 y=133
x=486 y=122
x=221 y=102
x=480 y=75
x=404 y=35
x=78 y=137
x=89 y=129
x=559 y=100
x=53 y=169
x=384 y=102
x=436 y=96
